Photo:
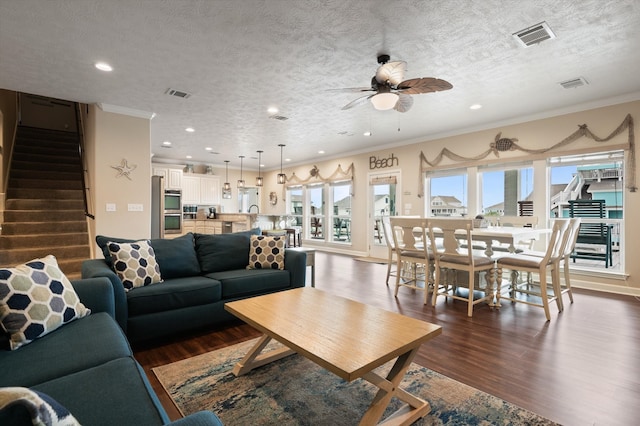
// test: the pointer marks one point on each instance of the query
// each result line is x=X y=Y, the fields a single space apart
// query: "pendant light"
x=282 y=178
x=259 y=178
x=241 y=181
x=227 y=185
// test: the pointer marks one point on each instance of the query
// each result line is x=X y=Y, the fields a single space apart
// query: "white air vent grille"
x=573 y=83
x=534 y=35
x=279 y=117
x=177 y=93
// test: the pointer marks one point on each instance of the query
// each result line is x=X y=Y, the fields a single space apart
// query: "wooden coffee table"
x=348 y=338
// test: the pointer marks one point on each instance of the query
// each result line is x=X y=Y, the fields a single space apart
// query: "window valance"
x=511 y=144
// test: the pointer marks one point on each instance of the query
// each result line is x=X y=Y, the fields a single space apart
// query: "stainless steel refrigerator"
x=157 y=207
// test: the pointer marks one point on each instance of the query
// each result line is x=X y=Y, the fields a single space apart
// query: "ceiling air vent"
x=573 y=83
x=177 y=93
x=279 y=117
x=534 y=35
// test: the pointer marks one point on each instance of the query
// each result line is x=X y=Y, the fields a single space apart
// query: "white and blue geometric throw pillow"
x=35 y=299
x=44 y=410
x=135 y=264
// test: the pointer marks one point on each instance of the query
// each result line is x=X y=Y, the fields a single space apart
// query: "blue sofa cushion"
x=248 y=282
x=81 y=344
x=176 y=257
x=17 y=404
x=173 y=294
x=114 y=393
x=224 y=252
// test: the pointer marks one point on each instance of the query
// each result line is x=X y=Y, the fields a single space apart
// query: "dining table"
x=508 y=235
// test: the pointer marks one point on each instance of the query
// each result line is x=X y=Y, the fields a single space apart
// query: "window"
x=594 y=185
x=295 y=203
x=503 y=188
x=316 y=211
x=341 y=199
x=447 y=193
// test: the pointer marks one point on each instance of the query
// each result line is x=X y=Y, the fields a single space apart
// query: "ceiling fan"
x=390 y=91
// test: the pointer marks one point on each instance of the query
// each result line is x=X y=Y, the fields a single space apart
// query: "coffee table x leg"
x=414 y=407
x=254 y=359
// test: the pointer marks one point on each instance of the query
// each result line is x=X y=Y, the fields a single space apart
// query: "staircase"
x=44 y=212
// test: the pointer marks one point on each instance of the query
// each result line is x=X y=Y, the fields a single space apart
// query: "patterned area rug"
x=295 y=391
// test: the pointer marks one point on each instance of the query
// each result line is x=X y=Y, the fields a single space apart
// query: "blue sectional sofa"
x=200 y=273
x=88 y=367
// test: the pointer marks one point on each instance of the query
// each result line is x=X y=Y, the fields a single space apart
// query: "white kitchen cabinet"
x=200 y=190
x=190 y=189
x=209 y=190
x=172 y=177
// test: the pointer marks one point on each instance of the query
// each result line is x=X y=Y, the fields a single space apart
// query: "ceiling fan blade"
x=416 y=86
x=356 y=102
x=391 y=72
x=404 y=103
x=352 y=89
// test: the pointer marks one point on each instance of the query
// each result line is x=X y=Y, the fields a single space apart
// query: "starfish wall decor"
x=124 y=169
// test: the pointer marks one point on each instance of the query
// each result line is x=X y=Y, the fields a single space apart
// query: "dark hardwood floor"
x=581 y=368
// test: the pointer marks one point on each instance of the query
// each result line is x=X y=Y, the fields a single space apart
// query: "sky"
x=493 y=184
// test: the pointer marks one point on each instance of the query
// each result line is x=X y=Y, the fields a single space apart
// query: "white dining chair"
x=414 y=263
x=542 y=265
x=570 y=238
x=449 y=256
x=391 y=247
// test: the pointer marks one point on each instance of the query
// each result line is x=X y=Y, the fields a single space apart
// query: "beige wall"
x=534 y=134
x=111 y=138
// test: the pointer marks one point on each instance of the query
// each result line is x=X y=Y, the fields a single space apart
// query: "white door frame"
x=375 y=249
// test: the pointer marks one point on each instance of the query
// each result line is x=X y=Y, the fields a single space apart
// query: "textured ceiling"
x=237 y=58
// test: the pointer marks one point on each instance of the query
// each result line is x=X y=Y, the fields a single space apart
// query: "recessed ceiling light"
x=189 y=157
x=208 y=148
x=320 y=152
x=367 y=133
x=190 y=129
x=475 y=106
x=166 y=143
x=103 y=66
x=287 y=159
x=272 y=110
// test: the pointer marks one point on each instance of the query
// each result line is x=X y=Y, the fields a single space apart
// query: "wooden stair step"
x=51 y=240
x=44 y=172
x=44 y=194
x=17 y=256
x=18 y=228
x=35 y=204
x=43 y=215
x=18 y=183
x=44 y=155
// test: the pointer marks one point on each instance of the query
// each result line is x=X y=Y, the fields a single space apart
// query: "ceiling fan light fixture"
x=384 y=101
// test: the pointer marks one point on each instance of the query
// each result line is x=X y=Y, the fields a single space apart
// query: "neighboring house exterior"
x=446 y=205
